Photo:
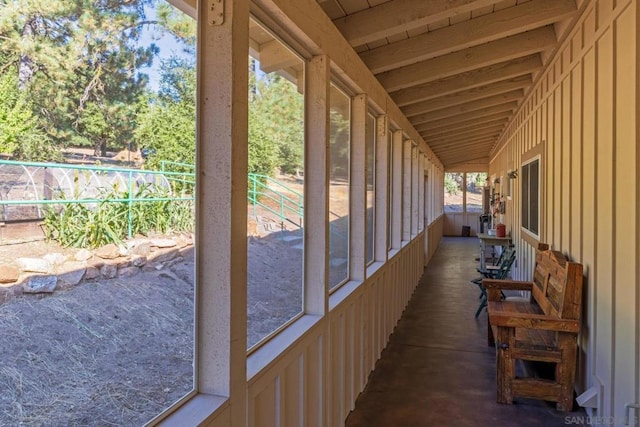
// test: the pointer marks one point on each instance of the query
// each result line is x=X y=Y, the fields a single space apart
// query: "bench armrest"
x=532 y=321
x=511 y=285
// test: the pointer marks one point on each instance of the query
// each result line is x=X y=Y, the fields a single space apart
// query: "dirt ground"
x=119 y=351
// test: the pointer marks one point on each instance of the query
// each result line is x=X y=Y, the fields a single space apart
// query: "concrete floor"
x=437 y=369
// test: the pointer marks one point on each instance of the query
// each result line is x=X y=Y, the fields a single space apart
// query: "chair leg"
x=482 y=305
x=505 y=366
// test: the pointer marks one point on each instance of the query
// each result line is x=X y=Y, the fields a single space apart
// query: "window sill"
x=199 y=409
x=268 y=352
x=373 y=267
x=343 y=293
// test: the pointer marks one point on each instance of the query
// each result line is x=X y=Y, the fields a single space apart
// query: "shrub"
x=88 y=226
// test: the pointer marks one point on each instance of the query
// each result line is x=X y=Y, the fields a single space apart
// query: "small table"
x=487 y=240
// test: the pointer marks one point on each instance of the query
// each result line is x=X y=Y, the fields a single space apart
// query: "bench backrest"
x=557 y=284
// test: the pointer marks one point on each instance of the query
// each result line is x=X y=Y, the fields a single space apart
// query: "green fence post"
x=130 y=202
x=281 y=211
x=255 y=197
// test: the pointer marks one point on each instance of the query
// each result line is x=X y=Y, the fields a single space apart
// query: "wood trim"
x=538 y=150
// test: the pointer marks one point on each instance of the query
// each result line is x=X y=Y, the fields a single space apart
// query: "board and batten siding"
x=582 y=117
x=316 y=381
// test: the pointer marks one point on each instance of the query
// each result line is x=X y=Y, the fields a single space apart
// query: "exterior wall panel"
x=604 y=274
x=625 y=201
x=585 y=106
x=356 y=327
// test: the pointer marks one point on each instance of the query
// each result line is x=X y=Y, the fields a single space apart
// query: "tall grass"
x=84 y=225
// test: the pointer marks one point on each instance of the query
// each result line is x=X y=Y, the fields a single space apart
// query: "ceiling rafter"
x=457 y=69
x=468 y=107
x=388 y=19
x=469 y=59
x=436 y=127
x=454 y=142
x=479 y=148
x=275 y=56
x=467 y=96
x=468 y=80
x=475 y=138
x=441 y=133
x=469 y=136
x=429 y=118
x=487 y=28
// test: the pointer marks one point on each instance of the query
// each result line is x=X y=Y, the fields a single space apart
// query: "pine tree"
x=78 y=62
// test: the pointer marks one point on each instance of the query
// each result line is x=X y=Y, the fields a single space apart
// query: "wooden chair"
x=499 y=272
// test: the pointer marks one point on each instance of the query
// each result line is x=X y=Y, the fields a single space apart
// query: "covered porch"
x=541 y=95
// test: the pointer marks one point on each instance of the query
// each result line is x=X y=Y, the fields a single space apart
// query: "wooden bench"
x=541 y=329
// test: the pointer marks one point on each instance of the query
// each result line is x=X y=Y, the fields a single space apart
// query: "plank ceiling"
x=457 y=68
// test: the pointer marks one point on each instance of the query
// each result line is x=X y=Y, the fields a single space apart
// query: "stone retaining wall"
x=55 y=271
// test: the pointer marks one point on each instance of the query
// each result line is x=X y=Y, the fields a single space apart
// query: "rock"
x=164 y=256
x=109 y=251
x=182 y=241
x=55 y=258
x=96 y=264
x=34 y=265
x=143 y=249
x=124 y=251
x=128 y=271
x=163 y=243
x=187 y=237
x=40 y=284
x=132 y=243
x=71 y=273
x=83 y=255
x=91 y=273
x=9 y=274
x=109 y=271
x=123 y=264
x=138 y=260
x=148 y=267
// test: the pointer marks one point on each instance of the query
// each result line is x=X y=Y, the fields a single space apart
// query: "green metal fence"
x=270 y=194
x=25 y=185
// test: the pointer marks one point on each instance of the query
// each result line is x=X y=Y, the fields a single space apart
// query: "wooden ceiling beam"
x=467 y=96
x=456 y=160
x=428 y=117
x=468 y=80
x=466 y=163
x=449 y=159
x=274 y=56
x=481 y=148
x=188 y=7
x=472 y=58
x=469 y=142
x=493 y=26
x=479 y=104
x=493 y=131
x=397 y=16
x=457 y=130
x=467 y=136
x=435 y=127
